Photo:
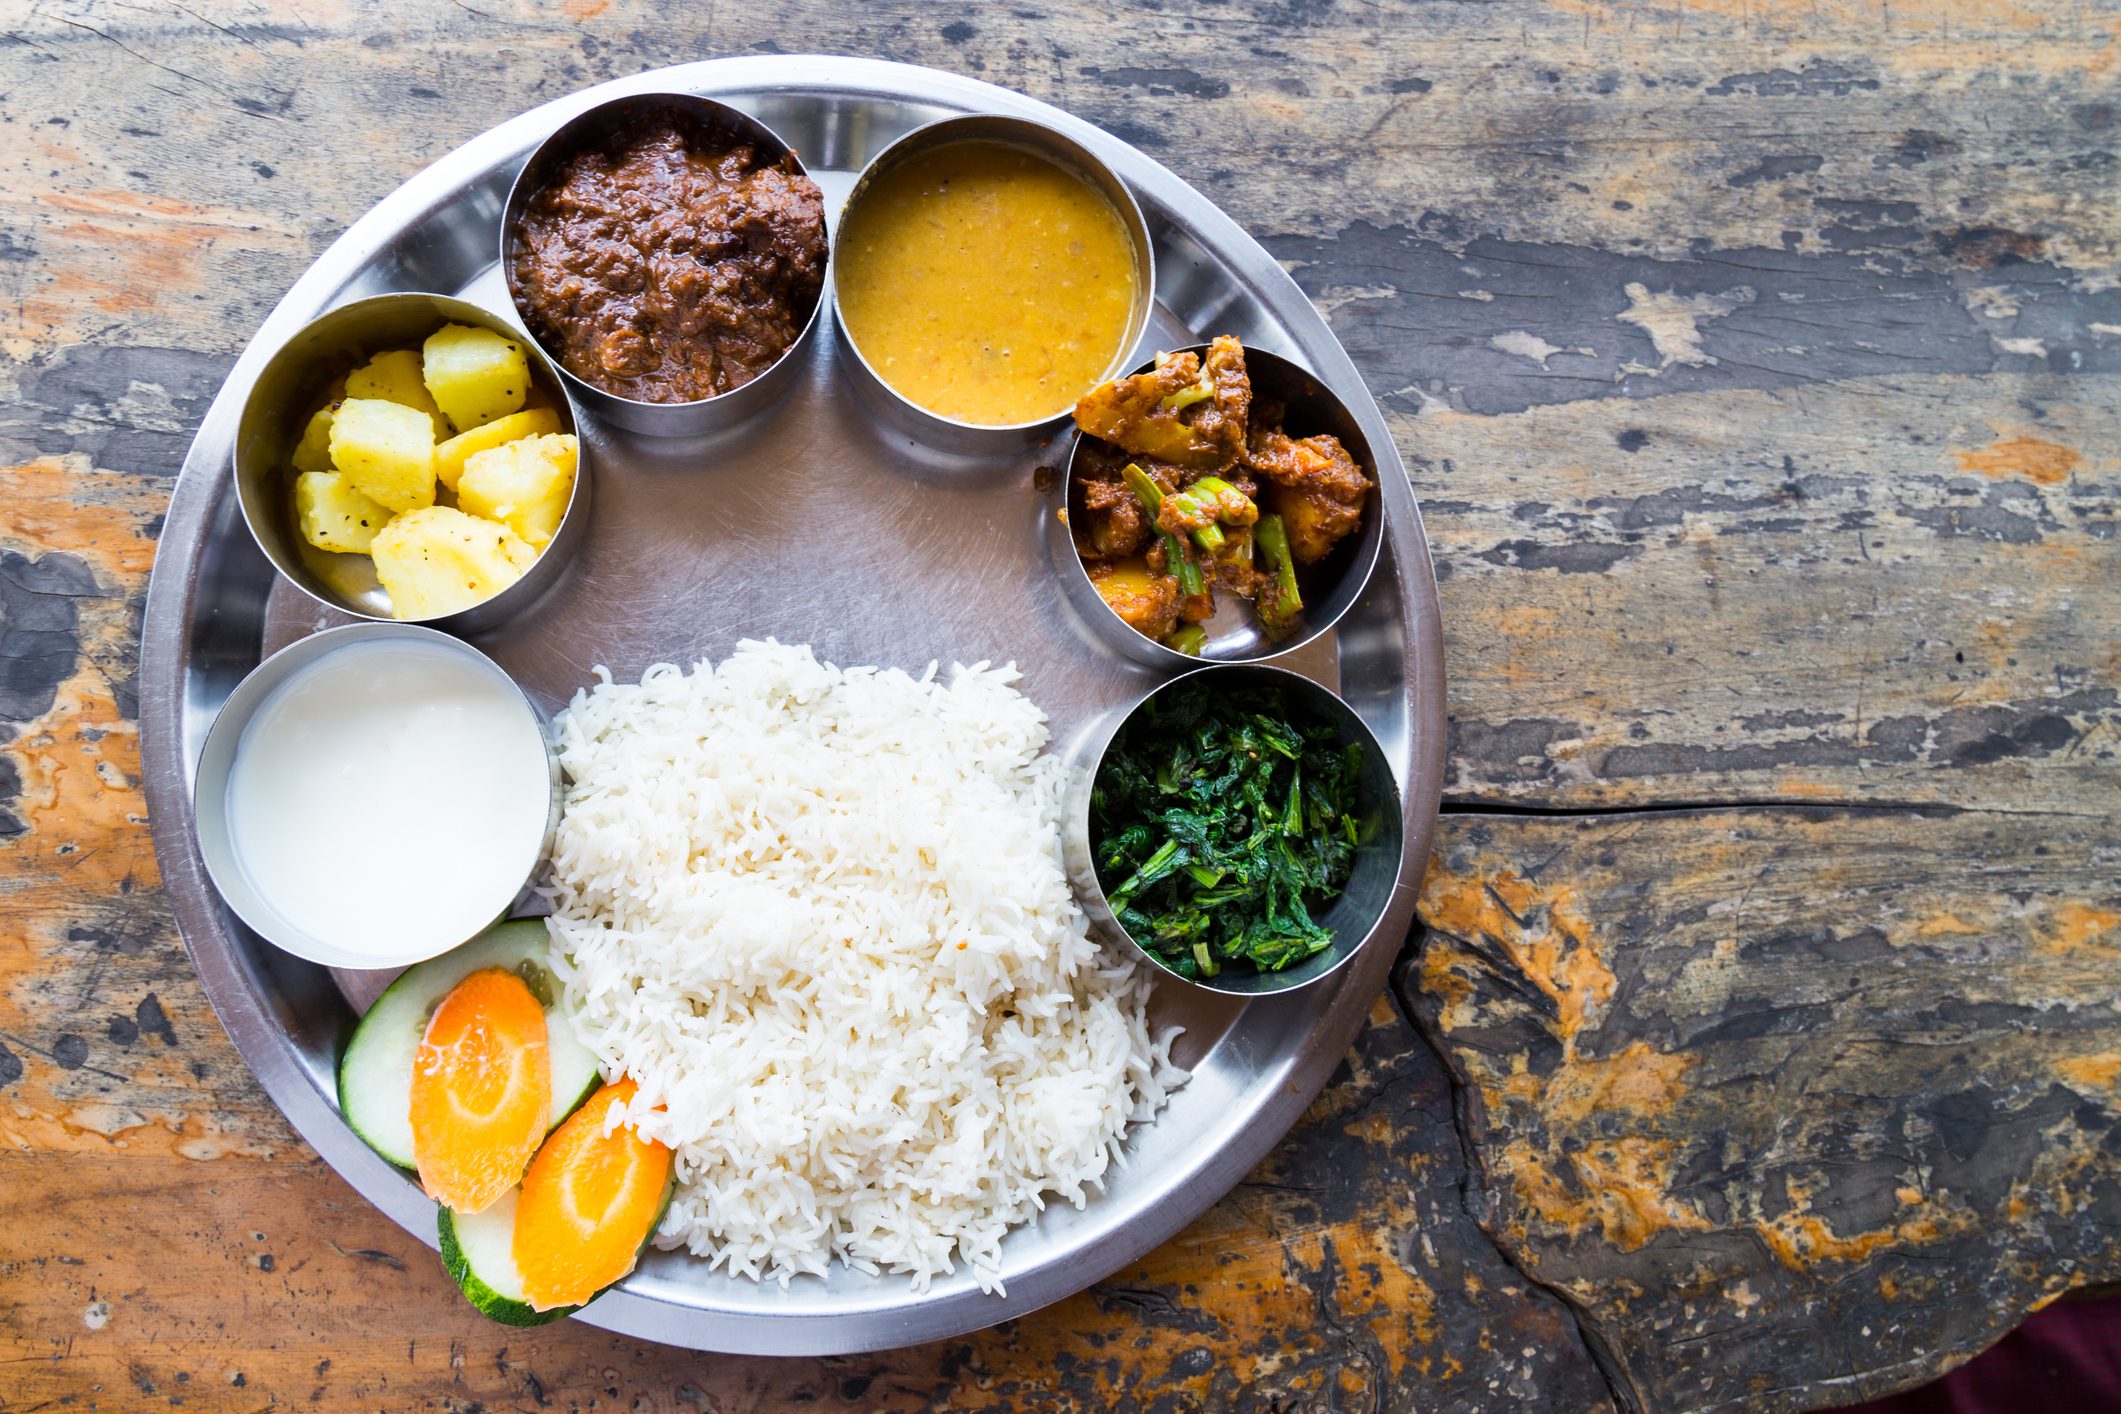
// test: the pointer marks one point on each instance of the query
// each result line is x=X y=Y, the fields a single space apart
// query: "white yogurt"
x=389 y=799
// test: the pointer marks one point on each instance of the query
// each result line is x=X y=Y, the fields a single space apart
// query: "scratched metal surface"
x=815 y=525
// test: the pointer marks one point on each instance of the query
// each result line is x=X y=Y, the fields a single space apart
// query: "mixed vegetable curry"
x=1188 y=484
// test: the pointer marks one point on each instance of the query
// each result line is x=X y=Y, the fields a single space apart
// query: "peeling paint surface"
x=1761 y=1073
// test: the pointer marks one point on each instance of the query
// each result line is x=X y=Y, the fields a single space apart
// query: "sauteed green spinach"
x=1221 y=825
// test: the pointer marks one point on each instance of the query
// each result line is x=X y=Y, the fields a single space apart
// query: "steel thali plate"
x=814 y=525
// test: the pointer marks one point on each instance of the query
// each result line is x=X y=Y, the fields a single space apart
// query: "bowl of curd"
x=375 y=795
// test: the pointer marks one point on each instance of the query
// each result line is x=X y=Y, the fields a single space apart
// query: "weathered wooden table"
x=1758 y=364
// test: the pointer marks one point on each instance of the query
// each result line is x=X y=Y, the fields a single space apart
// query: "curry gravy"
x=986 y=283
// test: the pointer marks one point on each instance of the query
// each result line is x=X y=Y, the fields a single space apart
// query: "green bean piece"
x=1282 y=601
x=1188 y=639
x=1205 y=506
x=1179 y=563
x=1144 y=488
x=1190 y=581
x=1230 y=505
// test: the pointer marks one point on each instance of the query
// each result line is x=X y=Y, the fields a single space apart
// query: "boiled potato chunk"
x=387 y=450
x=451 y=455
x=475 y=375
x=313 y=449
x=334 y=516
x=313 y=452
x=436 y=561
x=523 y=484
x=395 y=378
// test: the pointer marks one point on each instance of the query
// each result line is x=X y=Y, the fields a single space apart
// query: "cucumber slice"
x=375 y=1074
x=479 y=1251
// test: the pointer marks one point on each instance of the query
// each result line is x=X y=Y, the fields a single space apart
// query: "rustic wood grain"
x=1343 y=1272
x=1892 y=589
x=1768 y=1114
x=1756 y=363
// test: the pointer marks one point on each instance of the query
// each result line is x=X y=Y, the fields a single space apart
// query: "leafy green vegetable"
x=1221 y=824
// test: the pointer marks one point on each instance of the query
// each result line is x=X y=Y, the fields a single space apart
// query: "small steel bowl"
x=1331 y=587
x=218 y=757
x=949 y=434
x=701 y=416
x=1355 y=916
x=272 y=422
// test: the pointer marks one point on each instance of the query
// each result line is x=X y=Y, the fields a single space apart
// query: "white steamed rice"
x=821 y=918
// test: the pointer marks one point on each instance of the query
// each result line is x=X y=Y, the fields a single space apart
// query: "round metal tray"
x=696 y=544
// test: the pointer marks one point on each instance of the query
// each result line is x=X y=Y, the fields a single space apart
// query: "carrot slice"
x=481 y=1090
x=589 y=1203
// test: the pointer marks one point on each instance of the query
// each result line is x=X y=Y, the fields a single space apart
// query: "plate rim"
x=267 y=1049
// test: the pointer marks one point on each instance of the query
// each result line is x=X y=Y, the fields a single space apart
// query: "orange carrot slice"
x=589 y=1203
x=481 y=1090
